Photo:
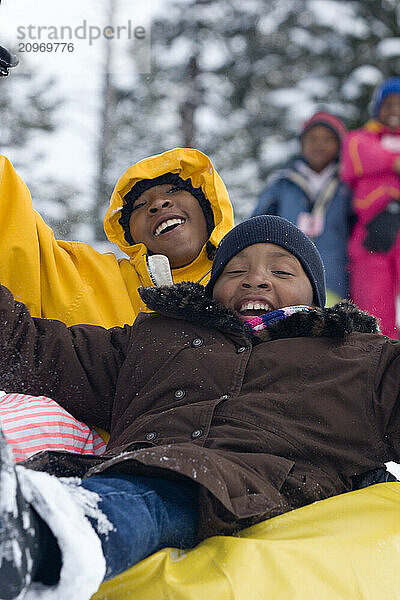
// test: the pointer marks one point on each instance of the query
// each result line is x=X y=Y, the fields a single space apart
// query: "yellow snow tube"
x=346 y=547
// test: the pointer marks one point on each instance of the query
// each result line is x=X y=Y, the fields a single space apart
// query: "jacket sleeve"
x=363 y=156
x=56 y=279
x=386 y=393
x=77 y=366
x=19 y=247
x=268 y=201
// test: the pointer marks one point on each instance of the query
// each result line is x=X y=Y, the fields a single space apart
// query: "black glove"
x=7 y=61
x=383 y=229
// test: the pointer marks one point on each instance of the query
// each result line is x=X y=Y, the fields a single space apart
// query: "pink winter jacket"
x=368 y=155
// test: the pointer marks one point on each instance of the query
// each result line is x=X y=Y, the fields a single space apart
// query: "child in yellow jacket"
x=74 y=283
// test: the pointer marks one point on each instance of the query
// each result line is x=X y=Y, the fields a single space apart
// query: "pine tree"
x=27 y=111
x=235 y=79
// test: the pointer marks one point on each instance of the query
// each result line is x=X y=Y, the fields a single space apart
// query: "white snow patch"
x=340 y=15
x=83 y=563
x=388 y=47
x=89 y=503
x=215 y=55
x=11 y=552
x=276 y=151
x=8 y=483
x=365 y=75
x=393 y=468
x=176 y=555
x=316 y=86
x=287 y=96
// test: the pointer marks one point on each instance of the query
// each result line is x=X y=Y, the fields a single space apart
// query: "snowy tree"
x=28 y=110
x=117 y=141
x=25 y=109
x=347 y=48
x=236 y=80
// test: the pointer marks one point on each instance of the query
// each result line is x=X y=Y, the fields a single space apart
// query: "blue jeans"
x=147 y=514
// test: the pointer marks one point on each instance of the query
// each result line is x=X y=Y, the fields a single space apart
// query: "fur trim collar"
x=188 y=301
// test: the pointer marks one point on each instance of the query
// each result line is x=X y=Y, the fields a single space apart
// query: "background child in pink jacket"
x=371 y=166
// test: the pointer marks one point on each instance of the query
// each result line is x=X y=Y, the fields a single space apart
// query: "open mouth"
x=254 y=309
x=168 y=225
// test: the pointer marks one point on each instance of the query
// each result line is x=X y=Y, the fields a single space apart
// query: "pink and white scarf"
x=260 y=323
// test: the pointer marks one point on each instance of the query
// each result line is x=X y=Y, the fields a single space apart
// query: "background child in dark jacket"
x=307 y=191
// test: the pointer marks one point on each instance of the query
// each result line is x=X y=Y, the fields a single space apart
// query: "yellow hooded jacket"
x=74 y=283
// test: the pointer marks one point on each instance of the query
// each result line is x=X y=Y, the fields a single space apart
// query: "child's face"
x=319 y=146
x=389 y=112
x=169 y=221
x=261 y=278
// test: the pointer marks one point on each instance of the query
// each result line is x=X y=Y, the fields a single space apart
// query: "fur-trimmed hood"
x=188 y=301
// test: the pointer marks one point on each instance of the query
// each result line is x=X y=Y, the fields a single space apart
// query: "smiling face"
x=261 y=278
x=169 y=221
x=320 y=146
x=389 y=112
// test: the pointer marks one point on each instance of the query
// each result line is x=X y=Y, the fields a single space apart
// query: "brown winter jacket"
x=262 y=427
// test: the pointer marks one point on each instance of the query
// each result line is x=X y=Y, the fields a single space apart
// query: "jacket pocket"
x=257 y=482
x=187 y=423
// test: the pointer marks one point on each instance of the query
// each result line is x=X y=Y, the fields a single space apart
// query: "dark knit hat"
x=173 y=178
x=274 y=230
x=387 y=87
x=328 y=120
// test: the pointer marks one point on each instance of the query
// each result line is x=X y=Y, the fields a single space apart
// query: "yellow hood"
x=188 y=163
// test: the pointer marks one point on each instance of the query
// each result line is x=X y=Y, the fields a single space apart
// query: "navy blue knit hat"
x=389 y=86
x=274 y=230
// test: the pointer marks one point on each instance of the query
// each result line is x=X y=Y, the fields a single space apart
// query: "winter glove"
x=382 y=230
x=7 y=61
